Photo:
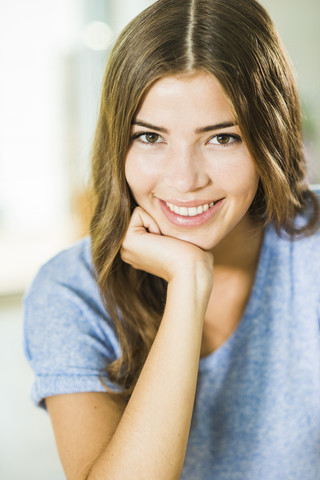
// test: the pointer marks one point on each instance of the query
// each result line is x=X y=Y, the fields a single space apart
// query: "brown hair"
x=236 y=41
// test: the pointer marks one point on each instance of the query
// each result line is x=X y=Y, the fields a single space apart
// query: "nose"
x=186 y=170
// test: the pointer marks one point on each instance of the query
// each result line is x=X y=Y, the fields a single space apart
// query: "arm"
x=149 y=439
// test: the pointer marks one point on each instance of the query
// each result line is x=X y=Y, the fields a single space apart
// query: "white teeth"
x=171 y=207
x=183 y=211
x=199 y=209
x=191 y=211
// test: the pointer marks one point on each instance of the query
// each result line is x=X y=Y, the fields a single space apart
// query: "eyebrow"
x=208 y=128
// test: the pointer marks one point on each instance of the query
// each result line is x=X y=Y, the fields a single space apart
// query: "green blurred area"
x=298 y=24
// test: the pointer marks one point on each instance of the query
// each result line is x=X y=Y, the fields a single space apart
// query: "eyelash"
x=137 y=136
x=234 y=137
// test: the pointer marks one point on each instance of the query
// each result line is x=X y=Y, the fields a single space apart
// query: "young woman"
x=181 y=340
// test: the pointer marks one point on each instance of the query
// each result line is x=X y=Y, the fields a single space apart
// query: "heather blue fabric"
x=69 y=338
x=257 y=407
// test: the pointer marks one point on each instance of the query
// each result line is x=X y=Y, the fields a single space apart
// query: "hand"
x=145 y=248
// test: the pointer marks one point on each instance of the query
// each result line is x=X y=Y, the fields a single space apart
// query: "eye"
x=148 y=137
x=224 y=139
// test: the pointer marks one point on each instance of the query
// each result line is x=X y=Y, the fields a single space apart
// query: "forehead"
x=188 y=96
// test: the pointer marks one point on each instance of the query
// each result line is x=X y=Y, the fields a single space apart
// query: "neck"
x=240 y=249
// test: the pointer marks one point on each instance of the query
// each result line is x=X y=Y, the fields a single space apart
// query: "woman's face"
x=187 y=165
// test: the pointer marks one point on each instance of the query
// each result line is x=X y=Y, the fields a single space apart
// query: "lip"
x=194 y=221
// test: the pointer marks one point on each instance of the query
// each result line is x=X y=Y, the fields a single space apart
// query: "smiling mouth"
x=189 y=211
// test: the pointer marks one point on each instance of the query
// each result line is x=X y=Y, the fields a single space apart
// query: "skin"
x=188 y=166
x=186 y=160
x=147 y=437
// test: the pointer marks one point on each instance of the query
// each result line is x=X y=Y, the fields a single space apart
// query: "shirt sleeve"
x=68 y=336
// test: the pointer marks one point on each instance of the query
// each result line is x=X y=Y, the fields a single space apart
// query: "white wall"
x=124 y=11
x=34 y=201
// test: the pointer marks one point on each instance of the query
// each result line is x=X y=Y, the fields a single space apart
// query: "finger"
x=142 y=219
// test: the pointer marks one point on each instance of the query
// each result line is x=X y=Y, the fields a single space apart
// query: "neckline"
x=251 y=307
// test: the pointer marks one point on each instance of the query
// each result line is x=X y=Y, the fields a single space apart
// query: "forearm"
x=151 y=438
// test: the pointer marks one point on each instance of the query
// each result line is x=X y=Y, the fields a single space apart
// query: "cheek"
x=132 y=177
x=140 y=177
x=239 y=177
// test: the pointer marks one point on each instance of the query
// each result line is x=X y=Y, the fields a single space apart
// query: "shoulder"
x=65 y=287
x=299 y=255
x=308 y=246
x=316 y=189
x=67 y=277
x=70 y=268
x=69 y=337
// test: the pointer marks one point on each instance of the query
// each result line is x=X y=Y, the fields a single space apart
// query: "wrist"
x=193 y=282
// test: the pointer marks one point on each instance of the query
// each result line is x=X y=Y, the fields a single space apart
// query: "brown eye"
x=152 y=137
x=147 y=138
x=223 y=139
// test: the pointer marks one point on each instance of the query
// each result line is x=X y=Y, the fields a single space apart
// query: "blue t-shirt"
x=257 y=406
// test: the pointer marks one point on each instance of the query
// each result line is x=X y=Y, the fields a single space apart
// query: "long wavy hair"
x=237 y=42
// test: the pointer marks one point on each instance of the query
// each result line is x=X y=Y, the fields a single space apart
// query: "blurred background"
x=52 y=57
